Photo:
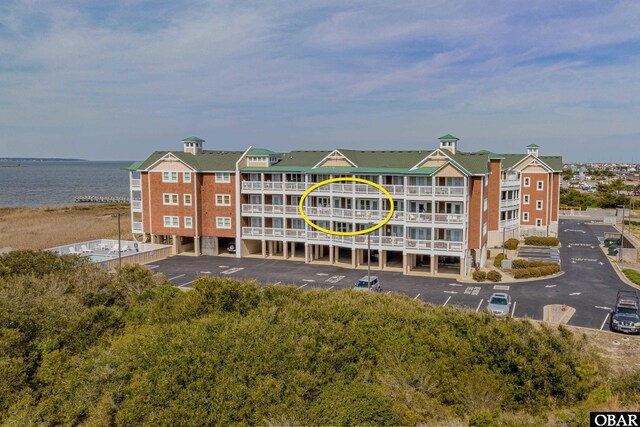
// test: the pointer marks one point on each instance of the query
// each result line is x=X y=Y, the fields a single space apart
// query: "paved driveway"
x=589 y=283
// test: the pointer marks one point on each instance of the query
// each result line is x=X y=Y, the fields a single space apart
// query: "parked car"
x=499 y=305
x=625 y=317
x=363 y=284
x=231 y=247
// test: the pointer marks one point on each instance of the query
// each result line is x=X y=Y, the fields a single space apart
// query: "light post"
x=621 y=238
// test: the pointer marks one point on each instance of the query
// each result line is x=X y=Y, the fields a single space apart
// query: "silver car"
x=363 y=284
x=499 y=304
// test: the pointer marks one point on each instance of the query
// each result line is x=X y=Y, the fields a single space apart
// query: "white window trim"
x=218 y=218
x=525 y=216
x=184 y=199
x=171 y=223
x=527 y=182
x=190 y=225
x=223 y=197
x=177 y=202
x=171 y=175
x=222 y=180
x=185 y=175
x=540 y=185
x=539 y=205
x=526 y=199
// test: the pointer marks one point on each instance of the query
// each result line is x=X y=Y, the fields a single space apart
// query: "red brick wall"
x=534 y=196
x=159 y=210
x=207 y=202
x=476 y=206
x=555 y=196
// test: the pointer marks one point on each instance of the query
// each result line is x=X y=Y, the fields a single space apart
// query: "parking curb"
x=535 y=279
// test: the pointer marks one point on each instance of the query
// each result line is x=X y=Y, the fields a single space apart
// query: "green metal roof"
x=510 y=160
x=135 y=165
x=260 y=152
x=193 y=139
x=533 y=146
x=448 y=137
x=215 y=161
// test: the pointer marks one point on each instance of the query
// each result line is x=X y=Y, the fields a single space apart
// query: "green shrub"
x=479 y=276
x=512 y=244
x=541 y=241
x=484 y=419
x=632 y=275
x=497 y=262
x=531 y=272
x=494 y=276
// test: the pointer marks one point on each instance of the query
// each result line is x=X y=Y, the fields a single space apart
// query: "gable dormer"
x=449 y=142
x=335 y=158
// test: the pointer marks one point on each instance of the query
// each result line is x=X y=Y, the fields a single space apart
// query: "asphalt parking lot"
x=589 y=283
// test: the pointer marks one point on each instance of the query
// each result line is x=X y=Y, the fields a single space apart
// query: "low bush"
x=498 y=261
x=541 y=241
x=523 y=263
x=494 y=276
x=511 y=244
x=632 y=275
x=531 y=272
x=479 y=276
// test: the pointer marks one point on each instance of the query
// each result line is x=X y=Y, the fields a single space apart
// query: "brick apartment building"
x=449 y=205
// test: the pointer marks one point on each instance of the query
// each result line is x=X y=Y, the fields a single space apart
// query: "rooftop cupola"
x=193 y=145
x=533 y=149
x=449 y=142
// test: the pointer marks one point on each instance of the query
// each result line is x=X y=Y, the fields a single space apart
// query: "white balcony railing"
x=136 y=183
x=418 y=190
x=449 y=191
x=509 y=203
x=440 y=218
x=136 y=227
x=136 y=205
x=510 y=183
x=509 y=224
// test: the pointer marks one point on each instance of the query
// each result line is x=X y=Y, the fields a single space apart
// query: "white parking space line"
x=308 y=280
x=334 y=279
x=513 y=312
x=604 y=321
x=185 y=284
x=455 y=284
x=388 y=292
x=416 y=297
x=232 y=270
x=322 y=274
x=450 y=292
x=223 y=266
x=479 y=304
x=205 y=272
x=447 y=301
x=300 y=287
x=574 y=294
x=277 y=283
x=151 y=267
x=330 y=288
x=177 y=277
x=501 y=287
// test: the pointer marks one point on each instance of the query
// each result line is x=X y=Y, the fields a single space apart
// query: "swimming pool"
x=98 y=258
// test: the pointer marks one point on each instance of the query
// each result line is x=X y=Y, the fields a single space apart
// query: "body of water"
x=59 y=183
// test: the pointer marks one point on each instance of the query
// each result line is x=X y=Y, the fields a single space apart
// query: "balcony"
x=136 y=184
x=509 y=224
x=436 y=245
x=136 y=205
x=262 y=209
x=449 y=191
x=136 y=227
x=262 y=232
x=509 y=203
x=439 y=218
x=418 y=190
x=510 y=184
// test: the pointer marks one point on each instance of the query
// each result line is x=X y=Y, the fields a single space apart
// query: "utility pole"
x=504 y=233
x=369 y=225
x=119 y=243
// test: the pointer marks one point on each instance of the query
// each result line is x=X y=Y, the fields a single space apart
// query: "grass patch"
x=632 y=275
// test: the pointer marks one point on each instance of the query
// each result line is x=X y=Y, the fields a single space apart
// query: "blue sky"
x=101 y=79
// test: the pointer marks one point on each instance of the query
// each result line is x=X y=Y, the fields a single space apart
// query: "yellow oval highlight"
x=346 y=233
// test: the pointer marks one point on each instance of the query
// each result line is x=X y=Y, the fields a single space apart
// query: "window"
x=526 y=199
x=223 y=177
x=525 y=216
x=169 y=199
x=223 y=222
x=187 y=199
x=538 y=222
x=539 y=205
x=223 y=200
x=171 y=221
x=540 y=185
x=186 y=177
x=187 y=222
x=169 y=176
x=527 y=182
